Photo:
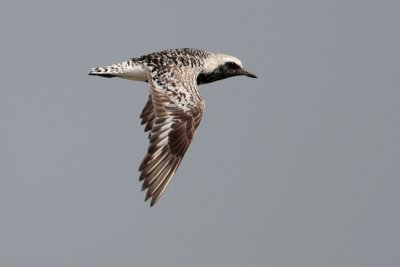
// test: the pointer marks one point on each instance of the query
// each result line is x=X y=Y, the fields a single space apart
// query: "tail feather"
x=105 y=75
x=128 y=70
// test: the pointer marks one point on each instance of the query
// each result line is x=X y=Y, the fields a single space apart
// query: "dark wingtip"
x=147 y=197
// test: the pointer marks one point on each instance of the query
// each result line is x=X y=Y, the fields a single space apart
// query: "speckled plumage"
x=175 y=106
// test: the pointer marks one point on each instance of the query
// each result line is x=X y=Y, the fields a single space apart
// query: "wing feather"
x=172 y=124
x=148 y=114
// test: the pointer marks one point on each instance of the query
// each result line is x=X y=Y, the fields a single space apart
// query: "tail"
x=127 y=70
x=105 y=75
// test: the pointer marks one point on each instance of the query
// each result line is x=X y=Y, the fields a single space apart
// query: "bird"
x=174 y=107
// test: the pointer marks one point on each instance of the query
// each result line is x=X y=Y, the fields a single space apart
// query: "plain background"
x=300 y=167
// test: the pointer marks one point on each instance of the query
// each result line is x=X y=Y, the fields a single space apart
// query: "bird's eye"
x=233 y=65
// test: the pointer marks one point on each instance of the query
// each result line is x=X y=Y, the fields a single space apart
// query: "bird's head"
x=219 y=66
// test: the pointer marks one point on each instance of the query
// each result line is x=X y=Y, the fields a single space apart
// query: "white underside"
x=136 y=73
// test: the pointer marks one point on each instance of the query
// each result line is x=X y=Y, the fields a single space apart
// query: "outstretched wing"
x=172 y=114
x=148 y=115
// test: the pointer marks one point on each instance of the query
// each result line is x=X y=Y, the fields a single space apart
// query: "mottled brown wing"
x=148 y=115
x=172 y=124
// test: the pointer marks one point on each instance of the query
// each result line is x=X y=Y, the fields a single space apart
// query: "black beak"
x=248 y=74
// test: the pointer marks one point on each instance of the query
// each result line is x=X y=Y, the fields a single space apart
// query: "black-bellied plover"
x=175 y=106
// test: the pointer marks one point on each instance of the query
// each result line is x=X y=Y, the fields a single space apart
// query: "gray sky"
x=300 y=167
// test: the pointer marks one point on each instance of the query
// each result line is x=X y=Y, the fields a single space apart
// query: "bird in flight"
x=174 y=108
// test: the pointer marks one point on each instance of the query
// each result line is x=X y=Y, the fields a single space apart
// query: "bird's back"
x=135 y=68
